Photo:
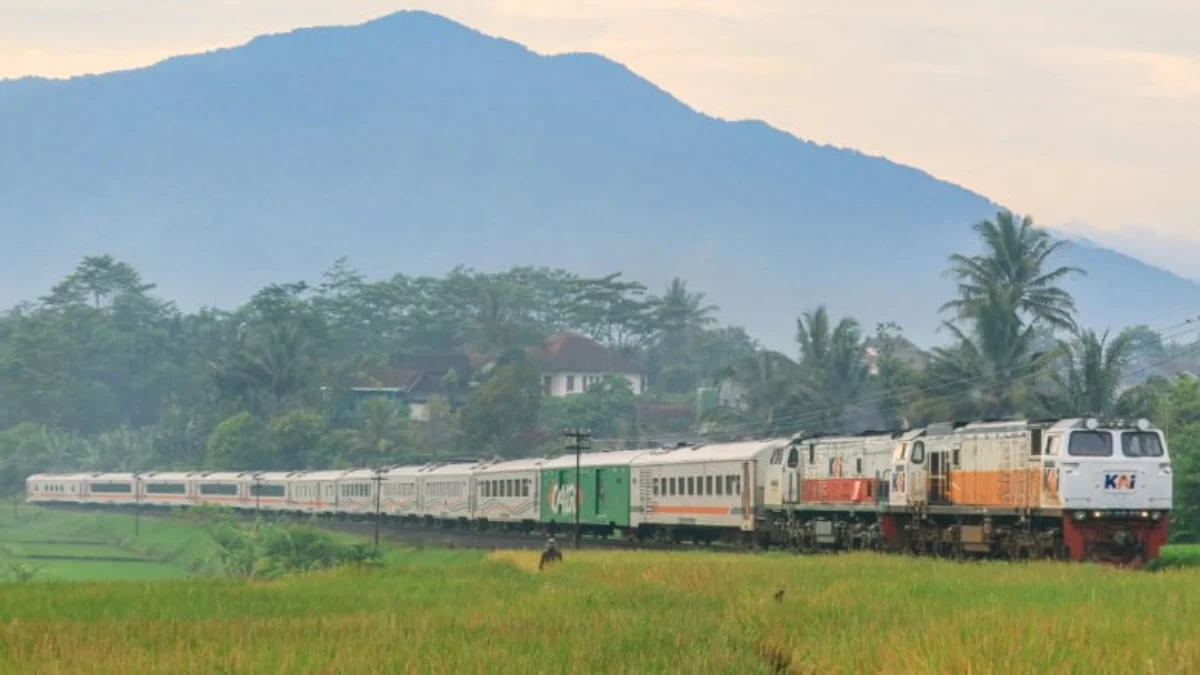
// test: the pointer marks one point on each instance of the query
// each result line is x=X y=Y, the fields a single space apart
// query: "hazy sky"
x=1066 y=109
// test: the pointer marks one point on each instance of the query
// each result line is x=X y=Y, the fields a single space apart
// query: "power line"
x=1189 y=326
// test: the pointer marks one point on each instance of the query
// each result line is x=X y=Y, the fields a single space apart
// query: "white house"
x=570 y=363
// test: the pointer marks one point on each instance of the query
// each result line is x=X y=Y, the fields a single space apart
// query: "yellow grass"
x=463 y=612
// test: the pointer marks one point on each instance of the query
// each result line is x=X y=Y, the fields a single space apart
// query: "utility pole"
x=378 y=489
x=578 y=440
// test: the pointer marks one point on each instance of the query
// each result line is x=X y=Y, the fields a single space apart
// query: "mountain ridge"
x=412 y=143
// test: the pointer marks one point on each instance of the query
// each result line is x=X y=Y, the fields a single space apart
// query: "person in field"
x=550 y=555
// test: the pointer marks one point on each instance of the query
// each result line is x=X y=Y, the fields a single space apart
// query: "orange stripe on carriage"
x=691 y=510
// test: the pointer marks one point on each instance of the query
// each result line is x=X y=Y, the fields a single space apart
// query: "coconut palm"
x=773 y=391
x=1015 y=260
x=1091 y=373
x=833 y=361
x=1006 y=297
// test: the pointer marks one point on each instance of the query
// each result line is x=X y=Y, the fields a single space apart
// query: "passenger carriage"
x=221 y=488
x=356 y=492
x=703 y=491
x=165 y=489
x=48 y=488
x=268 y=491
x=316 y=492
x=445 y=492
x=401 y=494
x=108 y=488
x=507 y=493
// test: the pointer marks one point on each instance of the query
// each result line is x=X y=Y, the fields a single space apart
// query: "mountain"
x=412 y=143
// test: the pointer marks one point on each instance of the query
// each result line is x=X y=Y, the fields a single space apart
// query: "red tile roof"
x=574 y=353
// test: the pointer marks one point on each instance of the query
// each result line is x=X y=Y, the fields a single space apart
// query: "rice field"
x=618 y=612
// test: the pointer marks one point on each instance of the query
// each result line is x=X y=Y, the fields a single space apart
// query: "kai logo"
x=561 y=498
x=1119 y=481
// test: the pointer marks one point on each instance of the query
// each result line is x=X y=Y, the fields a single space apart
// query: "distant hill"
x=413 y=144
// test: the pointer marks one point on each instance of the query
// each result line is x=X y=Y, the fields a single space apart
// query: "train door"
x=792 y=479
x=939 y=474
x=918 y=474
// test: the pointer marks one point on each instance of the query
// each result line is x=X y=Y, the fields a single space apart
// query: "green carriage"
x=604 y=498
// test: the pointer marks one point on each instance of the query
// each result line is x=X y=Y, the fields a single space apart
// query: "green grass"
x=164 y=548
x=467 y=612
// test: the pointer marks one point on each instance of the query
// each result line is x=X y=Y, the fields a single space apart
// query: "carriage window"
x=219 y=489
x=858 y=466
x=1090 y=444
x=1141 y=444
x=720 y=484
x=708 y=485
x=793 y=458
x=728 y=485
x=918 y=452
x=112 y=488
x=257 y=490
x=691 y=485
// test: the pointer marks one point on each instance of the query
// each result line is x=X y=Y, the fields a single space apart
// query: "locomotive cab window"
x=1090 y=444
x=793 y=458
x=1141 y=444
x=918 y=452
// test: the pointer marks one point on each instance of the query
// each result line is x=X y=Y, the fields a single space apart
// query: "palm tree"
x=273 y=361
x=834 y=364
x=773 y=386
x=1016 y=256
x=1091 y=373
x=1006 y=296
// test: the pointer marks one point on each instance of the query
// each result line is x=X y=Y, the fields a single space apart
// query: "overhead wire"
x=1190 y=326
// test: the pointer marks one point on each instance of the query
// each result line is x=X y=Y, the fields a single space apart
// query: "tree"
x=503 y=411
x=381 y=434
x=833 y=367
x=1005 y=296
x=240 y=443
x=1090 y=373
x=1016 y=255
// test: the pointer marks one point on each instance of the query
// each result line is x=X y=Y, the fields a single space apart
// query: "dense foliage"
x=102 y=374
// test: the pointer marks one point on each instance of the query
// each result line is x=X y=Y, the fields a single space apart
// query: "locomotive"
x=1070 y=489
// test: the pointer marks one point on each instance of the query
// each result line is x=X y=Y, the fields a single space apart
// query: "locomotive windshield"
x=1141 y=444
x=1090 y=444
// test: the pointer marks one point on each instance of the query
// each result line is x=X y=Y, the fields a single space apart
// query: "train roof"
x=59 y=476
x=532 y=464
x=407 y=470
x=273 y=475
x=157 y=476
x=359 y=474
x=222 y=476
x=450 y=470
x=108 y=476
x=320 y=475
x=717 y=452
x=593 y=459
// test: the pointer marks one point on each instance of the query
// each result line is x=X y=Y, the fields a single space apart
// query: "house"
x=416 y=383
x=569 y=363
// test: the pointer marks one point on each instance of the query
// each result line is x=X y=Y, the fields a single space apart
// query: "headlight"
x=1079 y=515
x=1145 y=514
x=1157 y=515
x=1096 y=514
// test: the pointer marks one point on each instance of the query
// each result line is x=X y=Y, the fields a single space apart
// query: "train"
x=1080 y=489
